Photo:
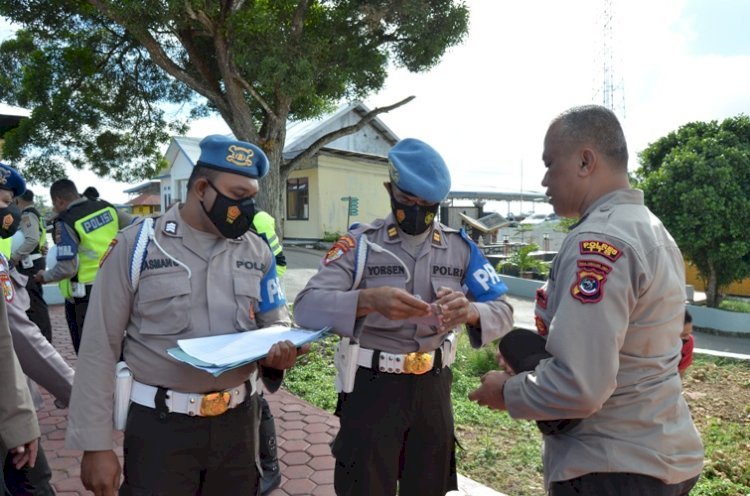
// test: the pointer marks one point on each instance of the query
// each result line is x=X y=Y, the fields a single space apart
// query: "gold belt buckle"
x=213 y=404
x=417 y=363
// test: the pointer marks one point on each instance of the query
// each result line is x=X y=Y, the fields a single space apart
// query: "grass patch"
x=733 y=305
x=505 y=454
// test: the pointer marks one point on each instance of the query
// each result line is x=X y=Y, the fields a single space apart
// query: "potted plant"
x=522 y=263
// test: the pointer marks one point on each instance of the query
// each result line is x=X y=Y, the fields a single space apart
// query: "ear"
x=588 y=162
x=201 y=184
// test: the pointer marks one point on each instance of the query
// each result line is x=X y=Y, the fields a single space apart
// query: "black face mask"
x=10 y=218
x=413 y=219
x=231 y=217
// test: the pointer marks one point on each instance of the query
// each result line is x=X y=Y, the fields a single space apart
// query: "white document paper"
x=227 y=349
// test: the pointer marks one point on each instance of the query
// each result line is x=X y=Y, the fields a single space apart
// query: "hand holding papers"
x=217 y=354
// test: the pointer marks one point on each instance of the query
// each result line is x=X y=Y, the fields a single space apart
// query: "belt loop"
x=375 y=362
x=160 y=402
x=249 y=389
x=437 y=366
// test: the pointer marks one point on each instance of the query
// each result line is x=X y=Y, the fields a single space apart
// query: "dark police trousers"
x=28 y=481
x=396 y=428
x=38 y=312
x=620 y=484
x=172 y=454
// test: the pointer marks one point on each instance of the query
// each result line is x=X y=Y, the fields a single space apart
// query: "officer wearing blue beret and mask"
x=196 y=271
x=397 y=291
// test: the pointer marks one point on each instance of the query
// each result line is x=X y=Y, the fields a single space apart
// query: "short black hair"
x=27 y=196
x=596 y=125
x=199 y=172
x=91 y=193
x=64 y=189
x=688 y=317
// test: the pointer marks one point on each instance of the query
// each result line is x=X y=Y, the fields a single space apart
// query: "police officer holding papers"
x=397 y=290
x=203 y=273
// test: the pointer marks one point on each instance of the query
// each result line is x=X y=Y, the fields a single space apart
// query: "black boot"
x=269 y=462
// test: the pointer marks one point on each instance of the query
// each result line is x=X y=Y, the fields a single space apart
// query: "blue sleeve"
x=481 y=282
x=271 y=294
x=67 y=246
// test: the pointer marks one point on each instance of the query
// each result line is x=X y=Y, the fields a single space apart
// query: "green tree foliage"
x=105 y=79
x=697 y=180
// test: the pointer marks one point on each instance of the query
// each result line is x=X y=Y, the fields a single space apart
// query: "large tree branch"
x=157 y=53
x=344 y=131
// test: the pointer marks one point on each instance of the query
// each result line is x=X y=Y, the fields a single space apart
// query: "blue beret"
x=12 y=180
x=417 y=169
x=230 y=155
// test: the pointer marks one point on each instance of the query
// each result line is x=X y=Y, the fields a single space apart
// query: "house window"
x=167 y=197
x=297 y=195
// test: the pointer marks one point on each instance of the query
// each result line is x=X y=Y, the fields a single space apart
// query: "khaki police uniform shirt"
x=18 y=424
x=29 y=227
x=38 y=358
x=613 y=309
x=329 y=299
x=221 y=296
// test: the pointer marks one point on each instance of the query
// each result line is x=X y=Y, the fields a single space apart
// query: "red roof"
x=146 y=200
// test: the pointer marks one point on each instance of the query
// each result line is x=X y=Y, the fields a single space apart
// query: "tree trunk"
x=270 y=196
x=712 y=291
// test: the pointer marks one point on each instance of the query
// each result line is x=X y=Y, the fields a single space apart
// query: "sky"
x=486 y=106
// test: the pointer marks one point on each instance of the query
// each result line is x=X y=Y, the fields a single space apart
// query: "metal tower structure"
x=608 y=84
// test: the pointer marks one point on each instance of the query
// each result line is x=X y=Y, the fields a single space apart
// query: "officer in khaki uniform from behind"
x=612 y=310
x=397 y=421
x=203 y=274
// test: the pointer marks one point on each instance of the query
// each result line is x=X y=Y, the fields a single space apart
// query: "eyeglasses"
x=409 y=200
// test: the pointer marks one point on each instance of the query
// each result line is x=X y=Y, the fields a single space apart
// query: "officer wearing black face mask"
x=396 y=291
x=197 y=271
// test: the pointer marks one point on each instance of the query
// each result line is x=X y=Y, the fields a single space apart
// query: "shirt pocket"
x=164 y=304
x=247 y=297
x=445 y=282
x=376 y=320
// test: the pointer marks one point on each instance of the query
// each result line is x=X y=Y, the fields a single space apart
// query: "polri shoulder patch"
x=340 y=248
x=601 y=248
x=541 y=326
x=541 y=298
x=590 y=279
x=108 y=251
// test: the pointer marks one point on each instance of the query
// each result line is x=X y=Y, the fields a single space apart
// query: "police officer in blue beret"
x=397 y=291
x=196 y=271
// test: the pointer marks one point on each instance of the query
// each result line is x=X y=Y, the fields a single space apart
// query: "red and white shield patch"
x=590 y=280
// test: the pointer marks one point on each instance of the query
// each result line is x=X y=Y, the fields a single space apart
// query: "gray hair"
x=595 y=125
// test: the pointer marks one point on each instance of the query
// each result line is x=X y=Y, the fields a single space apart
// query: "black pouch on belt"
x=522 y=350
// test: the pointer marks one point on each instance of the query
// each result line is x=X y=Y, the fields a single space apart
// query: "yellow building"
x=741 y=288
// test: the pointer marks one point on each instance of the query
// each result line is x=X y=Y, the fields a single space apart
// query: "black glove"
x=280 y=260
x=522 y=350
